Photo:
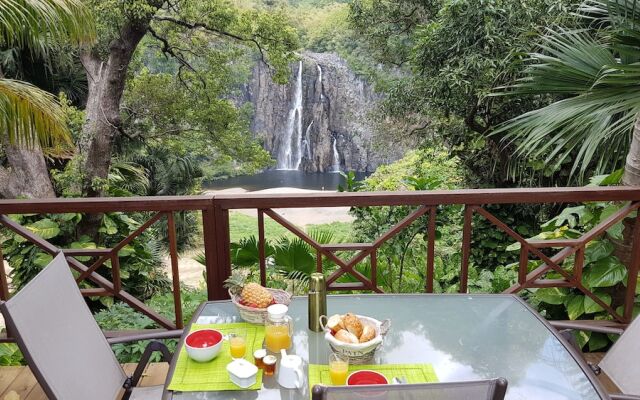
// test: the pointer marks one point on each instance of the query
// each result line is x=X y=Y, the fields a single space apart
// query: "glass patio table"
x=464 y=337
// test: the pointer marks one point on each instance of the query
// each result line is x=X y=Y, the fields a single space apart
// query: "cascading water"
x=290 y=152
x=307 y=141
x=335 y=167
x=320 y=82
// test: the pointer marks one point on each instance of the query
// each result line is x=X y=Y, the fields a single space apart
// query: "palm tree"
x=595 y=71
x=29 y=115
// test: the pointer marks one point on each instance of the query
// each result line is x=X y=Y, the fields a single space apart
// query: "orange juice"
x=338 y=371
x=276 y=338
x=237 y=346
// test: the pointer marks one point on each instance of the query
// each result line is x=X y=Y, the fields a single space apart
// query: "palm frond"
x=570 y=62
x=320 y=235
x=32 y=23
x=30 y=115
x=592 y=127
x=293 y=254
x=129 y=176
x=622 y=19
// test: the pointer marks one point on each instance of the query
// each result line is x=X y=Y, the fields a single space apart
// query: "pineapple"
x=251 y=294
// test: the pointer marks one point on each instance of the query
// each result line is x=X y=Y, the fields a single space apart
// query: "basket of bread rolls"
x=355 y=337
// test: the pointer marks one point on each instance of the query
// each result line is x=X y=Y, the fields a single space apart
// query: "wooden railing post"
x=215 y=222
x=175 y=271
x=261 y=249
x=466 y=247
x=632 y=273
x=4 y=285
x=431 y=247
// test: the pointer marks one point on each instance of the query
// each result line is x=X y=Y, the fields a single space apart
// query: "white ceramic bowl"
x=203 y=345
x=242 y=373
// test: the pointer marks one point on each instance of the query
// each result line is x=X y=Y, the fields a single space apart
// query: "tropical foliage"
x=594 y=70
x=444 y=58
x=140 y=261
x=28 y=114
x=603 y=272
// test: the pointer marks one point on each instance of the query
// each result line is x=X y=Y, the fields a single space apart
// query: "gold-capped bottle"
x=317 y=300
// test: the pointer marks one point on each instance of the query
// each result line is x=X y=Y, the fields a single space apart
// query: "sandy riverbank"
x=299 y=216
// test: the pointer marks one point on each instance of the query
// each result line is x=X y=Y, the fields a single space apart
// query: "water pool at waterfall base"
x=282 y=178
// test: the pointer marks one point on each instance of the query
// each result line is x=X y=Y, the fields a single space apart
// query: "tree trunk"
x=632 y=166
x=27 y=174
x=103 y=123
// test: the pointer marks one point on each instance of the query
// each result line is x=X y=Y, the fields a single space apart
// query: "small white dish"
x=242 y=373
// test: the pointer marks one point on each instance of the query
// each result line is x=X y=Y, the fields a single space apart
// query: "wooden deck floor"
x=20 y=381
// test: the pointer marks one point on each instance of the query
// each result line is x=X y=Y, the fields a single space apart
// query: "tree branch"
x=470 y=120
x=168 y=49
x=200 y=25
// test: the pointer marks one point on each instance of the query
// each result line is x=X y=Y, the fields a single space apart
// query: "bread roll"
x=346 y=337
x=335 y=323
x=352 y=324
x=368 y=333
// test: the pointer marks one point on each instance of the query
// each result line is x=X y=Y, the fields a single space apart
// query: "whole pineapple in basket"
x=251 y=294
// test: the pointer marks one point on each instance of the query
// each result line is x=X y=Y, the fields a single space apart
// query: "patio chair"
x=64 y=346
x=620 y=363
x=493 y=389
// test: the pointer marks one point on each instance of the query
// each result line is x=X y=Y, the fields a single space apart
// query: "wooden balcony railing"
x=214 y=211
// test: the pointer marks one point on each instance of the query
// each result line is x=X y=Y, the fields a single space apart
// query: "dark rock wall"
x=337 y=106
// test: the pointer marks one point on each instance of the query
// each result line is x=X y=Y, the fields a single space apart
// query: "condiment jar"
x=269 y=365
x=278 y=328
x=258 y=356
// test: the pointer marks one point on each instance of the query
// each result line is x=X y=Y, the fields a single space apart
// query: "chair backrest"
x=620 y=362
x=63 y=344
x=493 y=389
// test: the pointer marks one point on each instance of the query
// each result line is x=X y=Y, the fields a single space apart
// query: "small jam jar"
x=269 y=365
x=258 y=357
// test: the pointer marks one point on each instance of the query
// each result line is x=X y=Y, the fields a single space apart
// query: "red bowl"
x=203 y=338
x=203 y=345
x=366 y=377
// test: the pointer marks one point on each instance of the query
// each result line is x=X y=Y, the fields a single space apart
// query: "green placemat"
x=413 y=373
x=191 y=376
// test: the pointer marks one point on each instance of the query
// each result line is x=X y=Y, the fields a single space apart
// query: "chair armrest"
x=578 y=326
x=624 y=397
x=151 y=348
x=146 y=336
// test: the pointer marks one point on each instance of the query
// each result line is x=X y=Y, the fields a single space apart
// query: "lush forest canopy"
x=146 y=102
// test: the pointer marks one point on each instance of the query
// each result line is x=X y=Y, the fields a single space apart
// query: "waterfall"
x=290 y=152
x=307 y=141
x=335 y=167
x=320 y=82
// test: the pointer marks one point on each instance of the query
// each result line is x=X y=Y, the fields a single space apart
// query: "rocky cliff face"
x=320 y=120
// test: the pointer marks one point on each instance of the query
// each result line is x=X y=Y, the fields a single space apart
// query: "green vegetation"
x=595 y=71
x=29 y=115
x=242 y=226
x=498 y=93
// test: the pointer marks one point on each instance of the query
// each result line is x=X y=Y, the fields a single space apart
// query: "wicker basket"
x=259 y=315
x=361 y=353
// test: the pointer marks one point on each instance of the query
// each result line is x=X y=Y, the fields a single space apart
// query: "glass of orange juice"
x=237 y=344
x=338 y=369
